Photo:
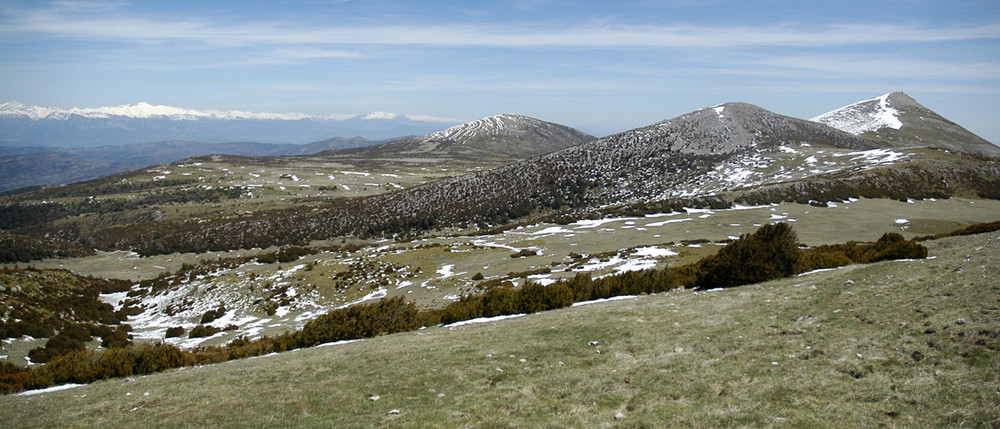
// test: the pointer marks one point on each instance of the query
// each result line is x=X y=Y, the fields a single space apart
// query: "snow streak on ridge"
x=492 y=125
x=868 y=115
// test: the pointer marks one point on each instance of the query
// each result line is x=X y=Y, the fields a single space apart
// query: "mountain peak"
x=867 y=115
x=502 y=137
x=729 y=127
x=898 y=120
x=495 y=125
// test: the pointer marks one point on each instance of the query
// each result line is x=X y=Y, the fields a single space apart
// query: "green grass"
x=910 y=343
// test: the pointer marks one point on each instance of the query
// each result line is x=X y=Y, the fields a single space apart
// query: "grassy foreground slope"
x=903 y=343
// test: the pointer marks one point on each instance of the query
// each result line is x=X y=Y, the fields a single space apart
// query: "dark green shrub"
x=77 y=332
x=384 y=316
x=34 y=329
x=202 y=331
x=893 y=246
x=119 y=337
x=821 y=257
x=12 y=378
x=211 y=315
x=175 y=332
x=524 y=253
x=770 y=252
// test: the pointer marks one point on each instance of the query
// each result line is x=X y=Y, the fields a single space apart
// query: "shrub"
x=175 y=332
x=211 y=315
x=357 y=321
x=202 y=331
x=524 y=253
x=81 y=333
x=973 y=229
x=770 y=252
x=889 y=246
x=821 y=257
x=12 y=378
x=893 y=246
x=118 y=337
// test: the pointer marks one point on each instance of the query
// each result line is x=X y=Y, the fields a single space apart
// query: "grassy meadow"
x=898 y=344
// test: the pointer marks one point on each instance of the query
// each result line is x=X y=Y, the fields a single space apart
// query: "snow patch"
x=483 y=320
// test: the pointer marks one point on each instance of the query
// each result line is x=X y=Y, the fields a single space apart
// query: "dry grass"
x=911 y=343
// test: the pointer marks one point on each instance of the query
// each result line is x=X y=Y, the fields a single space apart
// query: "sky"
x=600 y=66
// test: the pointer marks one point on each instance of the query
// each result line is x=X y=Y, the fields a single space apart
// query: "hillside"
x=897 y=120
x=40 y=166
x=901 y=343
x=714 y=157
x=505 y=137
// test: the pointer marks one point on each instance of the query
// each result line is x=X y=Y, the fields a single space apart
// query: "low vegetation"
x=771 y=252
x=894 y=344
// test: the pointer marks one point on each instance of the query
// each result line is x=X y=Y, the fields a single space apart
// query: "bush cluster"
x=532 y=297
x=285 y=254
x=978 y=228
x=888 y=247
x=211 y=315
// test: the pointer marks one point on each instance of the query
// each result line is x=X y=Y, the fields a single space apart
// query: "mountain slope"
x=898 y=120
x=692 y=156
x=500 y=137
x=713 y=157
x=34 y=166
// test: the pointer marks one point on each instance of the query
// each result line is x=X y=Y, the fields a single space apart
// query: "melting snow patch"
x=446 y=271
x=653 y=251
x=337 y=343
x=48 y=389
x=483 y=320
x=598 y=301
x=787 y=149
x=818 y=270
x=593 y=223
x=902 y=221
x=552 y=230
x=636 y=265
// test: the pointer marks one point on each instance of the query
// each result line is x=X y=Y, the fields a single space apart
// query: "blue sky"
x=600 y=66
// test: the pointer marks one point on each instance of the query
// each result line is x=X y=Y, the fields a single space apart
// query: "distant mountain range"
x=716 y=157
x=26 y=125
x=891 y=120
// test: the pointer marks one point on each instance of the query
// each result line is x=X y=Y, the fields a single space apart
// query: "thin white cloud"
x=854 y=66
x=126 y=28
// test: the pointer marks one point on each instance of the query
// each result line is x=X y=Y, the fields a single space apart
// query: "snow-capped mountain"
x=27 y=125
x=144 y=110
x=896 y=119
x=868 y=115
x=500 y=137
